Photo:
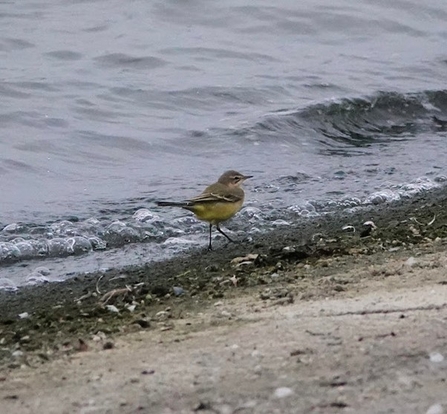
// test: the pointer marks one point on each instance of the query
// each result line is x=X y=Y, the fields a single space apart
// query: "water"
x=106 y=107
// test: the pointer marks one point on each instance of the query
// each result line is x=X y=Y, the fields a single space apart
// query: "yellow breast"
x=215 y=212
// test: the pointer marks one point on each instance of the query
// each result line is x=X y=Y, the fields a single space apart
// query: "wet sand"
x=308 y=319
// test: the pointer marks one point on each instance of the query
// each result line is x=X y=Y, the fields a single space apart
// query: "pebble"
x=283 y=392
x=435 y=409
x=112 y=308
x=162 y=315
x=225 y=409
x=410 y=262
x=436 y=357
x=257 y=369
x=24 y=315
x=178 y=291
x=17 y=354
x=100 y=336
x=25 y=339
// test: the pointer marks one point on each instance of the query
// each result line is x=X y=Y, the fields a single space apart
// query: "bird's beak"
x=246 y=177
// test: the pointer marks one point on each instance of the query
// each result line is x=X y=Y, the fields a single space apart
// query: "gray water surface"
x=106 y=107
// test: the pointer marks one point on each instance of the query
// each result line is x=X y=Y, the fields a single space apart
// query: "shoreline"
x=310 y=319
x=201 y=276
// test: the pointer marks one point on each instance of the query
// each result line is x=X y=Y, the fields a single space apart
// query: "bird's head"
x=233 y=178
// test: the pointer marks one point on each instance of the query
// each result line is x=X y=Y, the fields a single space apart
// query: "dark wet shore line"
x=87 y=304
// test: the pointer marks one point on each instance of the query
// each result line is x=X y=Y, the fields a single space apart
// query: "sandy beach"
x=310 y=319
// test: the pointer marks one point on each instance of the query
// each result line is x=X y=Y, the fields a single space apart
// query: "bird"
x=217 y=203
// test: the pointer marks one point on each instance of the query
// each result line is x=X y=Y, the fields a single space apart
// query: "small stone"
x=410 y=262
x=283 y=392
x=82 y=345
x=162 y=315
x=130 y=308
x=249 y=404
x=101 y=335
x=24 y=315
x=108 y=345
x=224 y=409
x=178 y=291
x=17 y=354
x=436 y=357
x=257 y=369
x=435 y=409
x=112 y=308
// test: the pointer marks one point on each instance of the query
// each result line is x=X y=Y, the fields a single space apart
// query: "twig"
x=97 y=283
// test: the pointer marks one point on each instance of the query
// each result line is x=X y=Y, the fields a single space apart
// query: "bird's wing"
x=215 y=197
x=215 y=193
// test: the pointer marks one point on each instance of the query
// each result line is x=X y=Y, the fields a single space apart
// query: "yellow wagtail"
x=218 y=202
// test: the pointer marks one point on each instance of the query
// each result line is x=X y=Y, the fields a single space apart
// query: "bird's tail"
x=173 y=204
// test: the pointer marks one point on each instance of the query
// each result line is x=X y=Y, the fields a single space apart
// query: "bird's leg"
x=221 y=232
x=209 y=245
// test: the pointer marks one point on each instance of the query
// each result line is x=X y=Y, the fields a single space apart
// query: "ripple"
x=11 y=44
x=65 y=55
x=36 y=86
x=214 y=53
x=10 y=90
x=122 y=60
x=34 y=119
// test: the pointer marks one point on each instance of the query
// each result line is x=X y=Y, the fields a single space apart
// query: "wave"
x=358 y=122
